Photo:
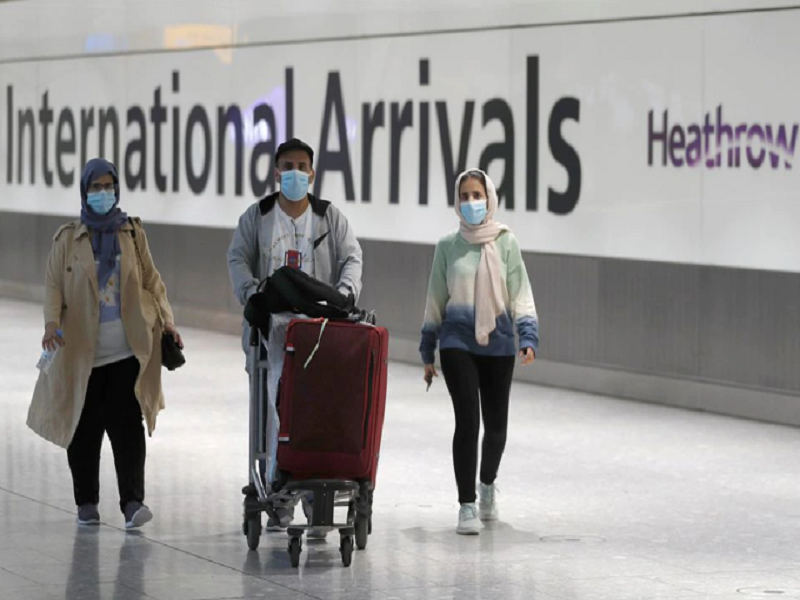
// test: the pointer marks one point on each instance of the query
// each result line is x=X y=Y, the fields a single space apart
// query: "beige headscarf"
x=490 y=293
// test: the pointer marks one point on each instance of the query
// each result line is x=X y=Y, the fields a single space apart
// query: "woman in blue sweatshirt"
x=478 y=292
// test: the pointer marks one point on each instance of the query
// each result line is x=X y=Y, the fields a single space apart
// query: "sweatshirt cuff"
x=251 y=289
x=427 y=347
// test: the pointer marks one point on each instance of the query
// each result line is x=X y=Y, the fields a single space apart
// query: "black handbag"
x=171 y=355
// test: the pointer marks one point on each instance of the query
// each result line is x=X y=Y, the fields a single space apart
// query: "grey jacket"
x=337 y=253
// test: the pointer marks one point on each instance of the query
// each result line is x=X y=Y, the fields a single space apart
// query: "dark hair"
x=474 y=174
x=294 y=144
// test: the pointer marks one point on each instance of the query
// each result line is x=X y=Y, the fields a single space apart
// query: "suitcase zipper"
x=371 y=376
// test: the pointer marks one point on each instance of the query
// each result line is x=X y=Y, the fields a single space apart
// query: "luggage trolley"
x=286 y=493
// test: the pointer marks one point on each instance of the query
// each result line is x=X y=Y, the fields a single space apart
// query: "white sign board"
x=665 y=140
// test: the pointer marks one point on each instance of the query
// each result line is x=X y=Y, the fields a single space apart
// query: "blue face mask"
x=101 y=202
x=474 y=212
x=294 y=185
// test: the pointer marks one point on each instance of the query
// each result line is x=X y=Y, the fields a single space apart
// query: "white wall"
x=614 y=73
x=47 y=27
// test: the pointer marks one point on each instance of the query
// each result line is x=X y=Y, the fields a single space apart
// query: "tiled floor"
x=601 y=499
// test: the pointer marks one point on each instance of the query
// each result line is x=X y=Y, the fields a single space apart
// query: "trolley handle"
x=254 y=330
x=254 y=336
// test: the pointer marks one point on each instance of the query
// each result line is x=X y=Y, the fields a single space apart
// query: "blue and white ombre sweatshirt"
x=450 y=308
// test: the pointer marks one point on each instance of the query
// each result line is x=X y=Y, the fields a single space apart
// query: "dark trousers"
x=477 y=384
x=111 y=407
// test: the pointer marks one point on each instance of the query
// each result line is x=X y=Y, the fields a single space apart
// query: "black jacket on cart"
x=293 y=291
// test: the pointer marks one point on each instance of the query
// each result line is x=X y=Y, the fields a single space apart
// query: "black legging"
x=477 y=384
x=111 y=407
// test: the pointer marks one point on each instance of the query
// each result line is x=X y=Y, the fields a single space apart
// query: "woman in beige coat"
x=105 y=306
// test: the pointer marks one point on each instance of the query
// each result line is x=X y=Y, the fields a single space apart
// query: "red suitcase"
x=332 y=400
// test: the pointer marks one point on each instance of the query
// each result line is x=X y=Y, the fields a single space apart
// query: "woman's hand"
x=169 y=327
x=51 y=339
x=430 y=373
x=527 y=355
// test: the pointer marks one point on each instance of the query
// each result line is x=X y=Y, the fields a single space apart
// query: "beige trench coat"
x=72 y=300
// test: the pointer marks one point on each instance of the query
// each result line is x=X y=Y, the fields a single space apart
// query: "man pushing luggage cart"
x=290 y=228
x=330 y=410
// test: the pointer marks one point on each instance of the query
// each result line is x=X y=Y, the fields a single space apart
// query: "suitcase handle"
x=319 y=341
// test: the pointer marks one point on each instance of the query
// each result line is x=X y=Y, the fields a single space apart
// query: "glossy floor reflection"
x=600 y=499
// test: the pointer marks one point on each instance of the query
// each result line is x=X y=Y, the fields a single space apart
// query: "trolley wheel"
x=346 y=548
x=369 y=527
x=294 y=551
x=362 y=531
x=252 y=528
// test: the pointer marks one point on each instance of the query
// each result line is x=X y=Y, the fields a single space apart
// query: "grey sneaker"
x=136 y=515
x=88 y=515
x=285 y=516
x=487 y=505
x=318 y=533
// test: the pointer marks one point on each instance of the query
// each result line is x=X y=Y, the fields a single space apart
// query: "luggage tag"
x=294 y=259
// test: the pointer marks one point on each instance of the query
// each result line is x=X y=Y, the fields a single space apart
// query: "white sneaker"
x=487 y=505
x=468 y=523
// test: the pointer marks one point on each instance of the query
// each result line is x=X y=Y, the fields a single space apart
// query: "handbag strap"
x=144 y=274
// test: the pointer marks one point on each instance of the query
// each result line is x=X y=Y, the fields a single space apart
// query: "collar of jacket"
x=318 y=206
x=81 y=229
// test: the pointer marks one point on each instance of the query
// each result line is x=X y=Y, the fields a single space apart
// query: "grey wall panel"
x=649 y=315
x=197 y=268
x=732 y=327
x=750 y=332
x=396 y=282
x=20 y=253
x=568 y=302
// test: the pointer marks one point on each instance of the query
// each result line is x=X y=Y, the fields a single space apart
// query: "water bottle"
x=47 y=357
